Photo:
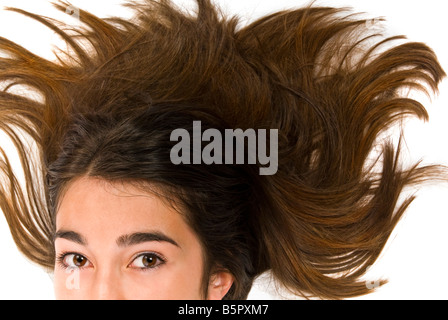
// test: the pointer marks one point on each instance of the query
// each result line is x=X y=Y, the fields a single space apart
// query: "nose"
x=107 y=285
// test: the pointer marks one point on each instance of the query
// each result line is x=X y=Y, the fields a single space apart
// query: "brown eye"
x=146 y=261
x=74 y=260
x=79 y=260
x=149 y=260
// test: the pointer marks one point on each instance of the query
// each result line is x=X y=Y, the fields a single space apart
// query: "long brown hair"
x=107 y=106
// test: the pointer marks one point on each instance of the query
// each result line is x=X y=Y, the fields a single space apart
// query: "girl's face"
x=116 y=242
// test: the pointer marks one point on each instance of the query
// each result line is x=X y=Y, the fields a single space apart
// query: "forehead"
x=103 y=209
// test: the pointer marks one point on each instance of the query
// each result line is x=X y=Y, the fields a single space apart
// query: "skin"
x=113 y=241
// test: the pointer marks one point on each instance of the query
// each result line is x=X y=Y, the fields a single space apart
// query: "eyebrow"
x=122 y=241
x=71 y=236
x=141 y=237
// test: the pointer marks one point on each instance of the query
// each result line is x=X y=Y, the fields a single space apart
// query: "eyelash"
x=61 y=257
x=158 y=256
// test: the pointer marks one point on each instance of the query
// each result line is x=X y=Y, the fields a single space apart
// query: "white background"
x=415 y=259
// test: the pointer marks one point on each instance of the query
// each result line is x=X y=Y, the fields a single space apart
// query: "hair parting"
x=320 y=75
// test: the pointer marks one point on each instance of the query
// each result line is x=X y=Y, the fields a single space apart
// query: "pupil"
x=148 y=260
x=79 y=260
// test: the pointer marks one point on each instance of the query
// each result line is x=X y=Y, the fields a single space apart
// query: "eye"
x=147 y=260
x=73 y=260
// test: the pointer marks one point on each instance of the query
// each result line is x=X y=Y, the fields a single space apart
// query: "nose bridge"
x=107 y=284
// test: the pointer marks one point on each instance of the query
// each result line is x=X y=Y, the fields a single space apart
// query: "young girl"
x=105 y=208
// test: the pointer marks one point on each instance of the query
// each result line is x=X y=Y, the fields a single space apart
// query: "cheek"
x=68 y=284
x=164 y=284
x=173 y=282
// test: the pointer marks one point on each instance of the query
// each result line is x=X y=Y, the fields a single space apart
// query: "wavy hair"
x=322 y=76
